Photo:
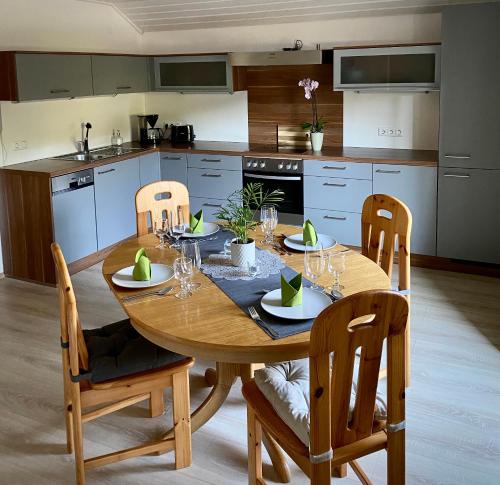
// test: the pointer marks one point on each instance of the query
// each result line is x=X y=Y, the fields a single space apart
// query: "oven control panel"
x=274 y=165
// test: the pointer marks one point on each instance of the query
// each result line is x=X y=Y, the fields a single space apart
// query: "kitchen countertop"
x=52 y=167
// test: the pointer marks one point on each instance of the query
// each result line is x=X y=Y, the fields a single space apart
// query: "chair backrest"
x=71 y=331
x=363 y=320
x=383 y=219
x=159 y=200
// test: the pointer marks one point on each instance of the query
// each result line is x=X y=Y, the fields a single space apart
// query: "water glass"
x=314 y=262
x=269 y=221
x=253 y=269
x=227 y=247
x=183 y=271
x=191 y=250
x=336 y=266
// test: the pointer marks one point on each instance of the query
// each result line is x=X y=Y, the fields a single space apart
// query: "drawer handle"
x=458 y=157
x=58 y=91
x=335 y=218
x=206 y=204
x=123 y=87
x=327 y=167
x=213 y=160
x=457 y=175
x=106 y=171
x=211 y=175
x=379 y=170
x=334 y=185
x=171 y=158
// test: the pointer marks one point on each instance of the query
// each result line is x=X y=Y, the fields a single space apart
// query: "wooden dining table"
x=210 y=325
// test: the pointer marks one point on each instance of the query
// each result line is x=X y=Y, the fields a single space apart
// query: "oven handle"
x=270 y=177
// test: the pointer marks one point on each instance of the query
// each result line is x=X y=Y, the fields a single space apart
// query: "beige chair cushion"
x=286 y=386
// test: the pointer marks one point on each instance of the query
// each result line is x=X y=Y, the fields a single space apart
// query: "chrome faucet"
x=86 y=139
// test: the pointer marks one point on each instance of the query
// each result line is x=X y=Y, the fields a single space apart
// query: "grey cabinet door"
x=470 y=105
x=149 y=168
x=209 y=206
x=49 y=76
x=469 y=215
x=115 y=187
x=417 y=188
x=120 y=74
x=173 y=166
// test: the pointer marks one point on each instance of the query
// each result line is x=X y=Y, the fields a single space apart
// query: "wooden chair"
x=159 y=199
x=80 y=390
x=340 y=432
x=385 y=222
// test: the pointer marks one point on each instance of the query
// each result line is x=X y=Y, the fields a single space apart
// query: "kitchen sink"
x=98 y=154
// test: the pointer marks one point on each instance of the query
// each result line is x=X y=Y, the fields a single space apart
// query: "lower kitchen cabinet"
x=345 y=227
x=173 y=166
x=149 y=168
x=213 y=184
x=469 y=214
x=417 y=188
x=115 y=187
x=209 y=206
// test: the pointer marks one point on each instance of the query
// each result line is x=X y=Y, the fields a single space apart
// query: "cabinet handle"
x=106 y=171
x=457 y=175
x=211 y=205
x=213 y=160
x=171 y=158
x=458 y=157
x=334 y=185
x=379 y=170
x=123 y=87
x=58 y=91
x=335 y=218
x=211 y=175
x=327 y=167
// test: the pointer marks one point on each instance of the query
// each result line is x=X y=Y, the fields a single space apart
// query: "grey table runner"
x=249 y=293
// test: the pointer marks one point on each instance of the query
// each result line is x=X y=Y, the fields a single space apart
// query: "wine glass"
x=177 y=230
x=336 y=266
x=160 y=229
x=314 y=262
x=191 y=250
x=183 y=271
x=269 y=221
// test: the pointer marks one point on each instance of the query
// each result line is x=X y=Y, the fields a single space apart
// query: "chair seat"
x=286 y=386
x=118 y=350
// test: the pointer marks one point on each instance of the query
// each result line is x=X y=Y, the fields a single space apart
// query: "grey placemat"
x=249 y=293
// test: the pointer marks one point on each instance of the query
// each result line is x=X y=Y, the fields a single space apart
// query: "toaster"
x=181 y=133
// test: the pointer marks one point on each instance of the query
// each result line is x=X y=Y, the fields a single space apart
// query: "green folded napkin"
x=309 y=233
x=196 y=222
x=291 y=291
x=142 y=267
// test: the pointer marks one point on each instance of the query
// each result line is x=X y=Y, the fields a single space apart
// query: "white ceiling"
x=164 y=15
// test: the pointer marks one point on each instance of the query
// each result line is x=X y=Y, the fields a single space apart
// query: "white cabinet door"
x=209 y=206
x=417 y=188
x=149 y=167
x=174 y=167
x=213 y=184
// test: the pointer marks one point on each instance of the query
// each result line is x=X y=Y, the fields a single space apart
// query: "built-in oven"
x=283 y=174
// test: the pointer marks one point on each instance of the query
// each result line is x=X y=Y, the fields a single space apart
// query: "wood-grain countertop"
x=52 y=167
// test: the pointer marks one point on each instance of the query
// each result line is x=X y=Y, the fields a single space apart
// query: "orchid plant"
x=310 y=86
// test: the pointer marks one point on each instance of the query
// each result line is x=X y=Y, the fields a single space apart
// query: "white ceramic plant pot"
x=243 y=254
x=316 y=141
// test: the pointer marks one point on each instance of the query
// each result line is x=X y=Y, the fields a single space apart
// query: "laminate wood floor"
x=453 y=405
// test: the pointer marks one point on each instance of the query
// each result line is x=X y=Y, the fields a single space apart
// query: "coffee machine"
x=148 y=134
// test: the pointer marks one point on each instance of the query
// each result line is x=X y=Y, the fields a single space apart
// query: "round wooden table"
x=210 y=325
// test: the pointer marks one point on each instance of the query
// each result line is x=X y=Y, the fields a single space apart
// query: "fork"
x=161 y=292
x=255 y=316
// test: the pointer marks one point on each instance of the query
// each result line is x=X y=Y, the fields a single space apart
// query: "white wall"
x=219 y=117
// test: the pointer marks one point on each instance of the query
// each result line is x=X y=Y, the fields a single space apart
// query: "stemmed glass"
x=160 y=228
x=269 y=221
x=336 y=266
x=183 y=271
x=314 y=262
x=191 y=250
x=177 y=230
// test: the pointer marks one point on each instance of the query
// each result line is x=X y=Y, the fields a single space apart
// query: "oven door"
x=291 y=209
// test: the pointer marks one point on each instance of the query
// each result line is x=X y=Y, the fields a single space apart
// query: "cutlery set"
x=161 y=292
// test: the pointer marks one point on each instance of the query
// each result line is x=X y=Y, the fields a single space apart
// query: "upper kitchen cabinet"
x=210 y=73
x=120 y=74
x=470 y=77
x=27 y=77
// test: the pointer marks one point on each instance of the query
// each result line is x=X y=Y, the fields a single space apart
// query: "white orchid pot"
x=243 y=254
x=316 y=141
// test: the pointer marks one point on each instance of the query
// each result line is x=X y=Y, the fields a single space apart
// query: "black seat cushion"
x=118 y=350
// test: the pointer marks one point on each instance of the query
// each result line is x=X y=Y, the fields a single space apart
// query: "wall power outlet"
x=390 y=132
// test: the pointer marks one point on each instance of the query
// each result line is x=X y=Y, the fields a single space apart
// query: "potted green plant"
x=239 y=215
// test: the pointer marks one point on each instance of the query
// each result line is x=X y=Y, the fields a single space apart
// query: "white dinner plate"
x=297 y=242
x=209 y=228
x=159 y=274
x=313 y=303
